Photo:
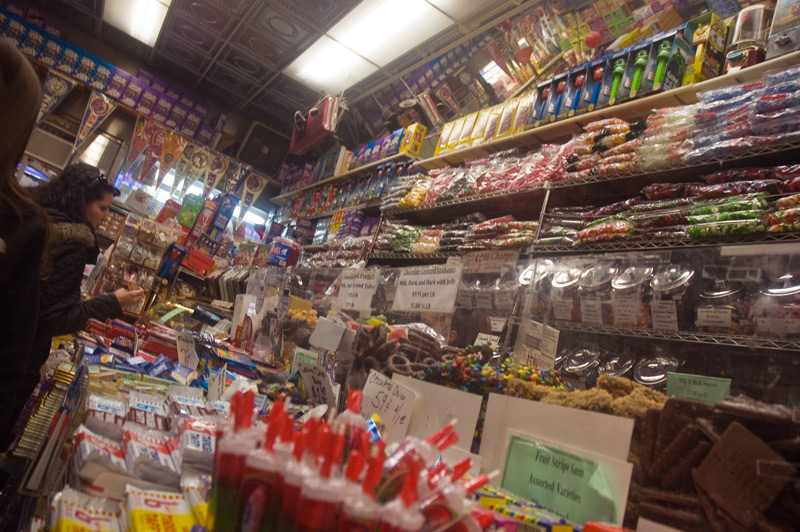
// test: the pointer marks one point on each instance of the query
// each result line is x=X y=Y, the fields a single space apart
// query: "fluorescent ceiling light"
x=383 y=30
x=141 y=19
x=329 y=66
x=461 y=10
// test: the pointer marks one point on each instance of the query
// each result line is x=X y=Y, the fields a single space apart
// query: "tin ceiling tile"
x=252 y=42
x=293 y=91
x=191 y=33
x=234 y=6
x=207 y=14
x=184 y=54
x=283 y=29
x=245 y=64
x=320 y=14
x=174 y=70
x=232 y=80
x=223 y=96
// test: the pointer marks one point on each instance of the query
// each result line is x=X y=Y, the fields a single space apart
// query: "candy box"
x=117 y=84
x=103 y=73
x=707 y=34
x=593 y=84
x=176 y=116
x=163 y=108
x=145 y=76
x=207 y=135
x=33 y=42
x=147 y=102
x=555 y=98
x=69 y=59
x=539 y=106
x=15 y=29
x=51 y=51
x=612 y=78
x=192 y=123
x=84 y=70
x=133 y=92
x=412 y=139
x=633 y=80
x=159 y=84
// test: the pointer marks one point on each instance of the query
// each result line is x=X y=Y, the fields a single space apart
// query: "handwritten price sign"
x=432 y=288
x=357 y=288
x=318 y=385
x=393 y=402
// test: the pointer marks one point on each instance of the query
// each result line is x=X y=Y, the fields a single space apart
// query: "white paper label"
x=465 y=300
x=537 y=345
x=562 y=309
x=216 y=384
x=497 y=324
x=487 y=339
x=591 y=310
x=484 y=300
x=430 y=289
x=318 y=385
x=714 y=317
x=393 y=402
x=186 y=352
x=490 y=261
x=780 y=327
x=327 y=334
x=504 y=299
x=626 y=309
x=664 y=314
x=357 y=289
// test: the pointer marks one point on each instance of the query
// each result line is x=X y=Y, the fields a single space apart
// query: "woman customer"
x=22 y=232
x=76 y=202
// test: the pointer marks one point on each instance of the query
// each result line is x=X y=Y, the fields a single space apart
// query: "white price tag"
x=318 y=385
x=537 y=345
x=487 y=339
x=490 y=261
x=357 y=289
x=562 y=309
x=664 y=314
x=465 y=300
x=497 y=324
x=504 y=299
x=429 y=289
x=626 y=310
x=484 y=300
x=186 y=351
x=591 y=310
x=393 y=402
x=714 y=317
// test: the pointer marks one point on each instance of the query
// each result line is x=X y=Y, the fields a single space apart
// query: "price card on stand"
x=487 y=339
x=537 y=345
x=490 y=261
x=186 y=351
x=357 y=288
x=429 y=289
x=393 y=403
x=318 y=385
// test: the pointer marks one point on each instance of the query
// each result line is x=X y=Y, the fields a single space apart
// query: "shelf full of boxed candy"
x=732 y=122
x=684 y=293
x=729 y=203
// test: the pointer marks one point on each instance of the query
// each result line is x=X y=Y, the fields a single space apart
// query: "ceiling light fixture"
x=141 y=19
x=328 y=66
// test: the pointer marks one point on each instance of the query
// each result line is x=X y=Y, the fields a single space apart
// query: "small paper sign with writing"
x=318 y=385
x=393 y=402
x=698 y=387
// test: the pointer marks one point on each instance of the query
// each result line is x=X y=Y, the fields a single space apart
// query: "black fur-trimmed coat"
x=73 y=245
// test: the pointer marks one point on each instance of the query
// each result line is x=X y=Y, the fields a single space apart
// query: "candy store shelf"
x=625 y=245
x=527 y=203
x=753 y=342
x=288 y=196
x=370 y=206
x=631 y=110
x=427 y=258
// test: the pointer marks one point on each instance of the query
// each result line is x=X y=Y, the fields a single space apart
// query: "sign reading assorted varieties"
x=428 y=289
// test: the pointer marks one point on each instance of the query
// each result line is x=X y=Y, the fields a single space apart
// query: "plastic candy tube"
x=578 y=89
x=619 y=70
x=639 y=65
x=560 y=91
x=545 y=94
x=598 y=82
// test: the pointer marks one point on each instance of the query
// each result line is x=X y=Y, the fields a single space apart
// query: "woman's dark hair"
x=78 y=186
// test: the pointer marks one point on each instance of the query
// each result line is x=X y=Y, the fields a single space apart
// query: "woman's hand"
x=129 y=298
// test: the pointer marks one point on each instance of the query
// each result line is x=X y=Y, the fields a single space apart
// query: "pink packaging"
x=147 y=102
x=133 y=92
x=118 y=84
x=163 y=108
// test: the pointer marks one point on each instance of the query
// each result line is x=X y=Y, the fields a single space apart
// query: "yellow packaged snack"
x=480 y=127
x=491 y=123
x=507 y=118
x=444 y=137
x=466 y=130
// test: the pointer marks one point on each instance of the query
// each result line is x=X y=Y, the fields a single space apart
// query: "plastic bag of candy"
x=617 y=168
x=738 y=174
x=495 y=225
x=726 y=216
x=784 y=228
x=786 y=216
x=741 y=227
x=661 y=191
x=752 y=202
x=728 y=93
x=734 y=188
x=604 y=230
x=788 y=202
x=599 y=125
x=657 y=219
x=770 y=103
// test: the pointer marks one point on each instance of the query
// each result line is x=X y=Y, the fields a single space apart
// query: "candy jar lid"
x=581 y=360
x=615 y=364
x=598 y=276
x=632 y=277
x=535 y=273
x=721 y=291
x=671 y=278
x=653 y=371
x=566 y=278
x=786 y=288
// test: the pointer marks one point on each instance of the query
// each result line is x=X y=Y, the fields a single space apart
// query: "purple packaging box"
x=145 y=77
x=15 y=30
x=206 y=135
x=187 y=100
x=84 y=71
x=54 y=27
x=102 y=75
x=159 y=84
x=51 y=51
x=192 y=123
x=163 y=107
x=17 y=8
x=177 y=116
x=174 y=93
x=201 y=107
x=68 y=61
x=33 y=42
x=118 y=83
x=133 y=92
x=148 y=101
